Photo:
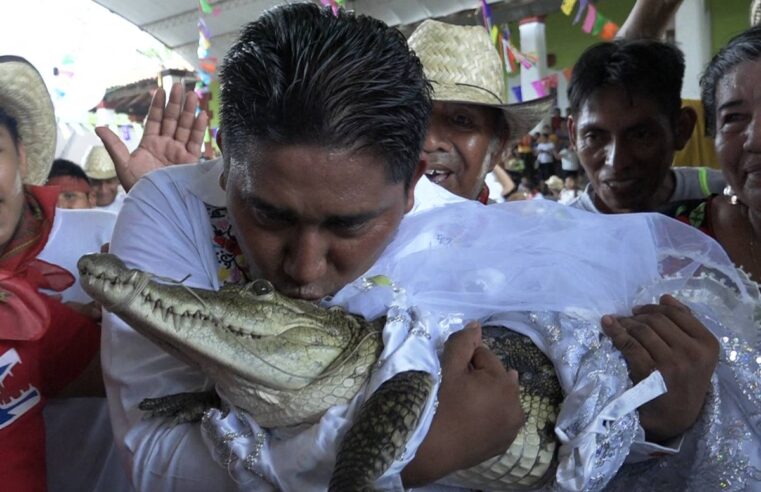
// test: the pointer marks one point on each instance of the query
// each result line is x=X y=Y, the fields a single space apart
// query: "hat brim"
x=521 y=117
x=101 y=175
x=24 y=97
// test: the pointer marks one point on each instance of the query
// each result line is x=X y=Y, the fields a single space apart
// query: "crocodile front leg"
x=181 y=407
x=383 y=425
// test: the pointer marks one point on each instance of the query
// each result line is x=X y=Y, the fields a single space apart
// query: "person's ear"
x=91 y=199
x=219 y=140
x=685 y=124
x=571 y=125
x=419 y=172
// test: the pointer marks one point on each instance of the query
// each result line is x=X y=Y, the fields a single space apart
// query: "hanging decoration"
x=594 y=23
x=334 y=4
x=207 y=64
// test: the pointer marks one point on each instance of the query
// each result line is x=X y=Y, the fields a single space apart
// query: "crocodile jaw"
x=262 y=346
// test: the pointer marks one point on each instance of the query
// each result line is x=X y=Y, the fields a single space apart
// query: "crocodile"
x=287 y=361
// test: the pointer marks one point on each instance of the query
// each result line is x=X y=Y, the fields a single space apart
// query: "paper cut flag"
x=539 y=88
x=494 y=35
x=589 y=21
x=599 y=24
x=567 y=6
x=518 y=93
x=508 y=57
x=487 y=15
x=552 y=81
x=582 y=6
x=609 y=31
x=205 y=7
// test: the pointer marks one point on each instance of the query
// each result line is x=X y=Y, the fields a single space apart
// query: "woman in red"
x=44 y=344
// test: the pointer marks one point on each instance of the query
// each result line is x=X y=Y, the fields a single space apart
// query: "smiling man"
x=471 y=125
x=627 y=122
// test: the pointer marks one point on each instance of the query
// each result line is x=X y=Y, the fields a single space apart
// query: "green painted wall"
x=728 y=17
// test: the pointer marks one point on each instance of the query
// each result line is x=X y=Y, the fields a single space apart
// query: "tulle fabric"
x=545 y=270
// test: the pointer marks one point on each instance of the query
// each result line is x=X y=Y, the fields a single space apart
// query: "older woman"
x=731 y=93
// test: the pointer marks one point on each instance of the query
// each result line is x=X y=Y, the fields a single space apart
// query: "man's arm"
x=479 y=412
x=648 y=19
x=172 y=135
x=154 y=232
x=667 y=337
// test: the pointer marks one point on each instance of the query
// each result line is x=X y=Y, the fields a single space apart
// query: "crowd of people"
x=355 y=150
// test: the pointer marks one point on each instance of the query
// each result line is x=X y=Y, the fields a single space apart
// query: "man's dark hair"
x=646 y=68
x=63 y=167
x=301 y=76
x=744 y=47
x=9 y=122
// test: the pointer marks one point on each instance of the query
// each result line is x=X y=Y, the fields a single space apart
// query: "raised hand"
x=172 y=135
x=667 y=337
x=479 y=412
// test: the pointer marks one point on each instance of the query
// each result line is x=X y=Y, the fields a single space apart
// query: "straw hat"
x=554 y=183
x=463 y=66
x=98 y=164
x=755 y=13
x=24 y=97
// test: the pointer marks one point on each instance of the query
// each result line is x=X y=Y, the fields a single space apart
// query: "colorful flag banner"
x=518 y=93
x=486 y=12
x=551 y=81
x=609 y=31
x=539 y=88
x=205 y=7
x=582 y=7
x=567 y=6
x=494 y=33
x=507 y=57
x=334 y=4
x=204 y=28
x=589 y=21
x=599 y=24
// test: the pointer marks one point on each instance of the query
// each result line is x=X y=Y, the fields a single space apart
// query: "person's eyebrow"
x=287 y=214
x=730 y=104
x=269 y=209
x=350 y=220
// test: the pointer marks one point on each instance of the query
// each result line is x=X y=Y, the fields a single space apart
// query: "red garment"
x=44 y=345
x=483 y=195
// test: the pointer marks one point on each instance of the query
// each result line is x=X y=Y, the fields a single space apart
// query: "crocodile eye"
x=261 y=287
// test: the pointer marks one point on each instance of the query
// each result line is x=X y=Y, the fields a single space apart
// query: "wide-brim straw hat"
x=755 y=13
x=25 y=98
x=463 y=66
x=98 y=164
x=554 y=183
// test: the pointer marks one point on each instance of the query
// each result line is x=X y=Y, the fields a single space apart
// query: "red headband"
x=70 y=183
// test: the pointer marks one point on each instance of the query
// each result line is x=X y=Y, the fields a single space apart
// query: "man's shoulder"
x=692 y=183
x=176 y=182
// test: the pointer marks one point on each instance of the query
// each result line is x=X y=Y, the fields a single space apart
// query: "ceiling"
x=174 y=22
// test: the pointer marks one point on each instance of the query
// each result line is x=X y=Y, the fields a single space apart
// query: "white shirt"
x=116 y=205
x=690 y=183
x=79 y=444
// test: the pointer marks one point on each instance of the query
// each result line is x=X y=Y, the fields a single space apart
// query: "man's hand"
x=667 y=337
x=172 y=135
x=479 y=412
